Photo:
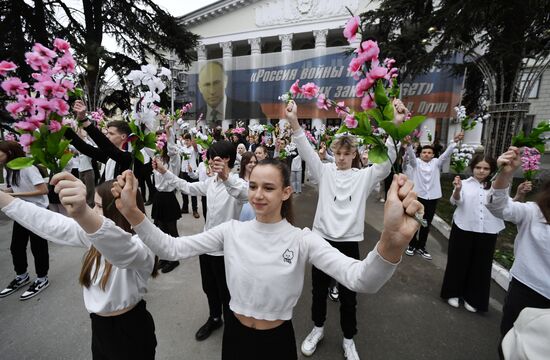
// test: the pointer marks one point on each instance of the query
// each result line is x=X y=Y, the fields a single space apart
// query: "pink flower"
x=67 y=84
x=6 y=66
x=377 y=72
x=25 y=140
x=355 y=64
x=13 y=86
x=341 y=109
x=367 y=102
x=65 y=64
x=15 y=108
x=9 y=137
x=530 y=159
x=310 y=90
x=37 y=61
x=45 y=105
x=351 y=121
x=368 y=50
x=25 y=125
x=44 y=51
x=388 y=62
x=54 y=126
x=62 y=108
x=363 y=85
x=61 y=45
x=391 y=74
x=295 y=88
x=322 y=102
x=350 y=31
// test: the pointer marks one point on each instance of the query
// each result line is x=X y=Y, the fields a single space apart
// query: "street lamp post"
x=173 y=73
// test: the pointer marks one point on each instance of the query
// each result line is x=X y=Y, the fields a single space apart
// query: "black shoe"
x=196 y=214
x=169 y=266
x=15 y=285
x=207 y=329
x=149 y=202
x=184 y=211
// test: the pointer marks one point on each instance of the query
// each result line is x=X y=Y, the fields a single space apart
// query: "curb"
x=498 y=273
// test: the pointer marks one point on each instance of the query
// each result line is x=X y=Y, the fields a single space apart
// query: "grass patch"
x=505 y=242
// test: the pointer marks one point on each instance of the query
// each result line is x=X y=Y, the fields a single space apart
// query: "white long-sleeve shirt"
x=265 y=263
x=132 y=261
x=221 y=205
x=342 y=193
x=426 y=175
x=532 y=244
x=471 y=213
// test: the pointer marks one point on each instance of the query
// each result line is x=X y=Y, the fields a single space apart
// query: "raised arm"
x=85 y=148
x=456 y=197
x=452 y=145
x=314 y=163
x=236 y=187
x=195 y=189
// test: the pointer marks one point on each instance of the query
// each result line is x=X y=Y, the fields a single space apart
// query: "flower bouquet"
x=460 y=159
x=40 y=111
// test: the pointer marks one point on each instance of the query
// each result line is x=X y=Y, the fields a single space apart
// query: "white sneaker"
x=350 y=352
x=310 y=343
x=453 y=302
x=469 y=307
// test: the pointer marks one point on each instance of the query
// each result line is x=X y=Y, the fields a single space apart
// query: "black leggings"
x=243 y=343
x=124 y=337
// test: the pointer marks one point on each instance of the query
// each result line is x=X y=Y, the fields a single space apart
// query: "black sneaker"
x=333 y=293
x=424 y=253
x=204 y=332
x=410 y=251
x=36 y=287
x=169 y=266
x=15 y=285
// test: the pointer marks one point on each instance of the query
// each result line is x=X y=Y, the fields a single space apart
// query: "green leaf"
x=20 y=163
x=150 y=140
x=388 y=112
x=76 y=93
x=64 y=160
x=376 y=115
x=408 y=126
x=380 y=96
x=390 y=128
x=378 y=154
x=63 y=145
x=139 y=156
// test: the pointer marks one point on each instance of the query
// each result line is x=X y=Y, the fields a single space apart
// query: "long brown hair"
x=245 y=159
x=492 y=167
x=92 y=257
x=12 y=150
x=286 y=208
x=543 y=200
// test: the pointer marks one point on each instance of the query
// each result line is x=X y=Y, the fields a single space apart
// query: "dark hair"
x=286 y=208
x=543 y=200
x=245 y=159
x=264 y=149
x=224 y=149
x=92 y=257
x=187 y=136
x=427 y=147
x=121 y=126
x=12 y=150
x=492 y=166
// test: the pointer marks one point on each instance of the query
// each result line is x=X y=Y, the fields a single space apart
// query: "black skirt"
x=165 y=206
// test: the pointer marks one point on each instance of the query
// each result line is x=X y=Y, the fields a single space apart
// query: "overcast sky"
x=182 y=7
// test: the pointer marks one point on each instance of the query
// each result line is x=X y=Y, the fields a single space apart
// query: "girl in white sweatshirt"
x=339 y=219
x=114 y=274
x=265 y=258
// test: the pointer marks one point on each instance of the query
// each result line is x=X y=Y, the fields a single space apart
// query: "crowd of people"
x=252 y=257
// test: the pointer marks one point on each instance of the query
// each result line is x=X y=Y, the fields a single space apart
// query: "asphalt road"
x=405 y=320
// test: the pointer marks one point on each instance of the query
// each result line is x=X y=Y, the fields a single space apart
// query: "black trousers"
x=124 y=337
x=144 y=174
x=214 y=284
x=347 y=298
x=39 y=248
x=185 y=197
x=203 y=202
x=244 y=343
x=469 y=263
x=420 y=238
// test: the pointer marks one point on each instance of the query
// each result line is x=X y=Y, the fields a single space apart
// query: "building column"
x=255 y=46
x=320 y=50
x=227 y=48
x=255 y=52
x=201 y=52
x=320 y=38
x=286 y=57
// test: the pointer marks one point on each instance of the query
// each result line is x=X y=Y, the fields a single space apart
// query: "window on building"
x=334 y=122
x=306 y=122
x=534 y=93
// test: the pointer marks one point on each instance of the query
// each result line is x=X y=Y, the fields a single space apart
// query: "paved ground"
x=405 y=320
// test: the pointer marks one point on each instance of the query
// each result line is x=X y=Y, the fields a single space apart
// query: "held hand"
x=72 y=194
x=125 y=191
x=80 y=109
x=322 y=153
x=291 y=112
x=399 y=218
x=459 y=137
x=5 y=198
x=220 y=167
x=525 y=187
x=509 y=161
x=399 y=112
x=457 y=183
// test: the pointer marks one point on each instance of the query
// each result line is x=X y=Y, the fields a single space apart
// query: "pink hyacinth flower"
x=62 y=108
x=15 y=108
x=9 y=137
x=351 y=121
x=25 y=125
x=14 y=86
x=295 y=88
x=310 y=90
x=65 y=64
x=61 y=45
x=363 y=86
x=6 y=66
x=350 y=31
x=54 y=126
x=36 y=61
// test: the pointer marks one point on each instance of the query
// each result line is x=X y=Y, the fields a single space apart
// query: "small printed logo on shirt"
x=288 y=255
